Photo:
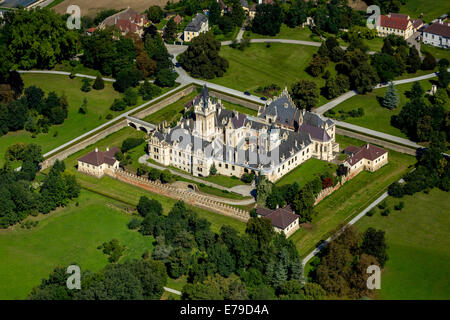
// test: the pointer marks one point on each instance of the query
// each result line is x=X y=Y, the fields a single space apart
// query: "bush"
x=130 y=97
x=126 y=79
x=109 y=116
x=386 y=212
x=399 y=206
x=86 y=87
x=166 y=176
x=382 y=205
x=371 y=212
x=118 y=105
x=134 y=224
x=154 y=174
x=248 y=177
x=99 y=84
x=166 y=78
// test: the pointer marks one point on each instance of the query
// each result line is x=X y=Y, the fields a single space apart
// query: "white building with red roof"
x=397 y=24
x=438 y=34
x=97 y=163
x=282 y=219
x=367 y=157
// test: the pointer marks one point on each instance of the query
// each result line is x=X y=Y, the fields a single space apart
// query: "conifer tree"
x=391 y=98
x=98 y=84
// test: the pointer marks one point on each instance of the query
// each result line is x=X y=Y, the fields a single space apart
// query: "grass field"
x=281 y=64
x=129 y=194
x=172 y=112
x=239 y=108
x=287 y=33
x=430 y=11
x=419 y=247
x=76 y=123
x=375 y=116
x=68 y=235
x=438 y=53
x=306 y=172
x=350 y=199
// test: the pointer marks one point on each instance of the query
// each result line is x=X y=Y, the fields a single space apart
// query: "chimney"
x=96 y=149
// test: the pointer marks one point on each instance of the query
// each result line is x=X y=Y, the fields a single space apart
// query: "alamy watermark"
x=74 y=20
x=74 y=280
x=374 y=280
x=375 y=14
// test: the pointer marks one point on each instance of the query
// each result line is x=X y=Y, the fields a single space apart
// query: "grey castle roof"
x=291 y=141
x=196 y=23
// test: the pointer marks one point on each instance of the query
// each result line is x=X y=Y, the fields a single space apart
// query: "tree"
x=305 y=94
x=154 y=14
x=304 y=204
x=26 y=35
x=202 y=58
x=157 y=51
x=170 y=31
x=149 y=206
x=413 y=60
x=166 y=78
x=317 y=65
x=363 y=78
x=83 y=108
x=126 y=79
x=237 y=13
x=130 y=97
x=146 y=65
x=214 y=13
x=334 y=87
x=374 y=244
x=429 y=62
x=263 y=189
x=387 y=47
x=86 y=87
x=444 y=76
x=260 y=229
x=267 y=20
x=99 y=84
x=118 y=105
x=213 y=169
x=386 y=66
x=148 y=90
x=391 y=98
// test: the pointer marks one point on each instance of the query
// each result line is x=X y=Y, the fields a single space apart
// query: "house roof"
x=399 y=22
x=280 y=218
x=417 y=23
x=368 y=151
x=439 y=29
x=244 y=3
x=316 y=133
x=196 y=23
x=177 y=19
x=98 y=158
x=127 y=14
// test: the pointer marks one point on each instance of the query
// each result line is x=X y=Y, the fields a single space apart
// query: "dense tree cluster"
x=341 y=268
x=267 y=20
x=202 y=59
x=224 y=24
x=37 y=38
x=132 y=280
x=21 y=197
x=301 y=199
x=33 y=111
x=421 y=117
x=224 y=265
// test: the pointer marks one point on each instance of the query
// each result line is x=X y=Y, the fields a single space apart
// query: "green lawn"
x=375 y=116
x=306 y=172
x=438 y=53
x=172 y=112
x=129 y=194
x=239 y=108
x=287 y=33
x=350 y=199
x=281 y=64
x=431 y=10
x=419 y=247
x=69 y=235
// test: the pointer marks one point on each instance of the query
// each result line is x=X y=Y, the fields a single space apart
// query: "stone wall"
x=189 y=197
x=164 y=102
x=83 y=144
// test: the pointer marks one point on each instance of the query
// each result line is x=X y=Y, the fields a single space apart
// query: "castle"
x=279 y=139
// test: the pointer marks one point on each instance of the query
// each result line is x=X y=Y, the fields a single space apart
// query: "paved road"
x=173 y=291
x=389 y=145
x=65 y=73
x=353 y=221
x=80 y=137
x=330 y=105
x=244 y=190
x=378 y=134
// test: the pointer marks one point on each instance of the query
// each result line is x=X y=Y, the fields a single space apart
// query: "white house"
x=198 y=25
x=97 y=163
x=438 y=34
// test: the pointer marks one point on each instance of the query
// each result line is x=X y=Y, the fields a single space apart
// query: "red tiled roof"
x=177 y=19
x=417 y=23
x=400 y=23
x=98 y=158
x=439 y=29
x=127 y=26
x=91 y=30
x=280 y=218
x=368 y=151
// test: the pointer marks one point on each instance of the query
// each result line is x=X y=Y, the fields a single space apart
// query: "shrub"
x=130 y=97
x=134 y=224
x=371 y=212
x=166 y=176
x=109 y=116
x=154 y=174
x=382 y=205
x=385 y=212
x=130 y=143
x=399 y=206
x=248 y=177
x=118 y=105
x=396 y=190
x=86 y=87
x=99 y=84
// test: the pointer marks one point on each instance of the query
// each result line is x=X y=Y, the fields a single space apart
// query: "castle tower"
x=205 y=110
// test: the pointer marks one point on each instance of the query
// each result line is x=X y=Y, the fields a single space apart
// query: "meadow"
x=349 y=200
x=419 y=254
